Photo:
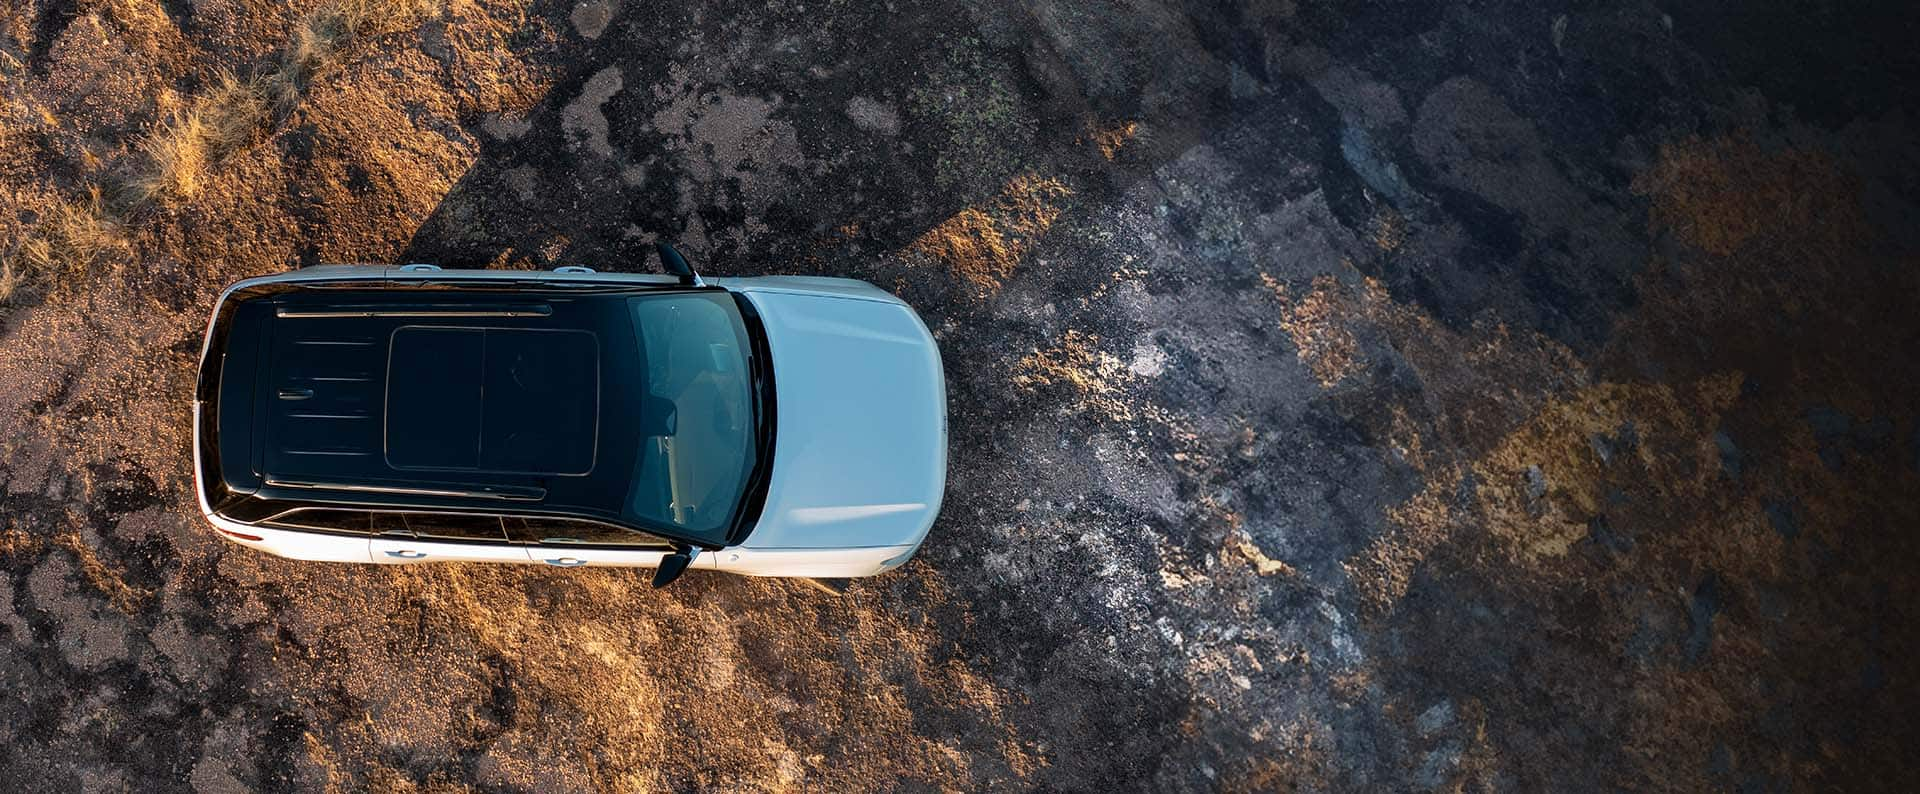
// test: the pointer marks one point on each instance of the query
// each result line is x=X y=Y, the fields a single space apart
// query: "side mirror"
x=672 y=565
x=675 y=264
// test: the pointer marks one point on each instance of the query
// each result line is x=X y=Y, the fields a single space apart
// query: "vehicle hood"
x=860 y=443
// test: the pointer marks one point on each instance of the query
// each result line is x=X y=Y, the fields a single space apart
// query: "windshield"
x=697 y=422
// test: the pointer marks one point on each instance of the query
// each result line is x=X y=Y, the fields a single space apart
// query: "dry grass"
x=231 y=114
x=1094 y=380
x=322 y=32
x=143 y=23
x=1675 y=449
x=1239 y=542
x=69 y=240
x=983 y=245
x=1110 y=140
x=1317 y=323
x=1722 y=194
x=1382 y=572
x=584 y=676
x=1675 y=426
x=1301 y=766
x=1389 y=231
x=126 y=597
x=16 y=542
x=216 y=124
x=1076 y=362
x=973 y=247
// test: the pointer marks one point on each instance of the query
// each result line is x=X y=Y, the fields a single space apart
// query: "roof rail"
x=509 y=492
x=390 y=310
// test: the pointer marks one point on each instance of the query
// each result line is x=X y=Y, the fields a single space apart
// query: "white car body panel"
x=399 y=551
x=819 y=563
x=315 y=546
x=853 y=467
x=602 y=557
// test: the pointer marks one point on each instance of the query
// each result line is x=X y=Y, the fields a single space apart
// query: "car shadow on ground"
x=761 y=142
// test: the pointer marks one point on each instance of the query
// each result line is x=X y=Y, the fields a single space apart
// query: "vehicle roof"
x=504 y=401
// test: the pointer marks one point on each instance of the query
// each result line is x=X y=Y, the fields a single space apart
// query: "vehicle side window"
x=356 y=522
x=449 y=526
x=572 y=532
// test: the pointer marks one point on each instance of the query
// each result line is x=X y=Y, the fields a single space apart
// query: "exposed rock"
x=90 y=634
x=1536 y=483
x=591 y=17
x=1435 y=718
x=872 y=116
x=1729 y=453
x=583 y=119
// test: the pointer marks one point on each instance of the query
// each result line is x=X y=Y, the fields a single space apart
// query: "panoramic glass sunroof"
x=503 y=400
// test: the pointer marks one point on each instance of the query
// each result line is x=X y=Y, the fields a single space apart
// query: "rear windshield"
x=697 y=422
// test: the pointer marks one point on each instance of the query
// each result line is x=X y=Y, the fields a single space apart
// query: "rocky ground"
x=1345 y=396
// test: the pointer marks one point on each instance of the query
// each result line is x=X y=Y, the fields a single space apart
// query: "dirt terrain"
x=1344 y=396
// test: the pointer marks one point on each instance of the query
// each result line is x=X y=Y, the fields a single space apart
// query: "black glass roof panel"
x=506 y=400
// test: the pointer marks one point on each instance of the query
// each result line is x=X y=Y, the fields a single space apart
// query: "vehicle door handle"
x=407 y=554
x=566 y=562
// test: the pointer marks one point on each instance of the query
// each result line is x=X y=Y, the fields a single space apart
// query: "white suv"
x=774 y=426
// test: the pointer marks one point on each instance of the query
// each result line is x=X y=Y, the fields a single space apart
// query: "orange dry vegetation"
x=199 y=137
x=229 y=114
x=1317 y=323
x=601 y=663
x=326 y=28
x=984 y=245
x=1389 y=230
x=1674 y=427
x=1074 y=362
x=102 y=576
x=1795 y=217
x=1094 y=378
x=1303 y=769
x=1672 y=456
x=14 y=541
x=69 y=242
x=1639 y=509
x=1383 y=570
x=1112 y=139
x=1721 y=194
x=1479 y=385
x=1240 y=543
